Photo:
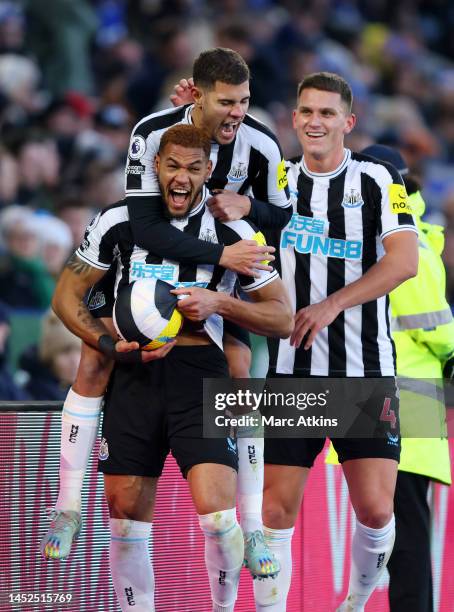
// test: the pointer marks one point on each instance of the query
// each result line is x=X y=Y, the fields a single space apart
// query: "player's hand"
x=247 y=257
x=310 y=320
x=228 y=206
x=183 y=92
x=198 y=304
x=129 y=352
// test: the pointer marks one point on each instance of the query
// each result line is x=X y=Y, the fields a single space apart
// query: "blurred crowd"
x=75 y=79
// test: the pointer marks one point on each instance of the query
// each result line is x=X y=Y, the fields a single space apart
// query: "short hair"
x=328 y=81
x=186 y=136
x=219 y=64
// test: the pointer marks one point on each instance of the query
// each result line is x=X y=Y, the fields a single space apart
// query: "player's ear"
x=209 y=168
x=157 y=161
x=197 y=94
x=351 y=122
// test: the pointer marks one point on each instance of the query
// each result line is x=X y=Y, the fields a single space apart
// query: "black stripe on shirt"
x=159 y=122
x=218 y=179
x=369 y=317
x=336 y=276
x=302 y=270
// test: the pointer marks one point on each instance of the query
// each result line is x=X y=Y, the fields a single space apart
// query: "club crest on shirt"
x=352 y=199
x=237 y=173
x=208 y=235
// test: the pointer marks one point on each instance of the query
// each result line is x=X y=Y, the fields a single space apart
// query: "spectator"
x=9 y=390
x=24 y=279
x=52 y=365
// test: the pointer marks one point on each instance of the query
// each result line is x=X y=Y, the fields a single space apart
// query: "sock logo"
x=130 y=596
x=73 y=434
x=380 y=560
x=222 y=576
x=251 y=453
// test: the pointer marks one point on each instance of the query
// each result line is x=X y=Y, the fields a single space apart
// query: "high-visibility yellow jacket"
x=423 y=331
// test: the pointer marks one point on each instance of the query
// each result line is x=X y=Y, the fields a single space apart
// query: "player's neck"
x=324 y=164
x=196 y=116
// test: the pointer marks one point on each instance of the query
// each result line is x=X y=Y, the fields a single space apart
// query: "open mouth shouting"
x=179 y=200
x=228 y=129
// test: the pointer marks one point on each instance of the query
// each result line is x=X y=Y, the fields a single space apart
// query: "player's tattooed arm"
x=79 y=267
x=75 y=280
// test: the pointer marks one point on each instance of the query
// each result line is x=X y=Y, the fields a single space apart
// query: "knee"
x=277 y=514
x=375 y=516
x=218 y=523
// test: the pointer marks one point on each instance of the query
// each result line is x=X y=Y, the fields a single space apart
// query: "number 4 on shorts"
x=388 y=414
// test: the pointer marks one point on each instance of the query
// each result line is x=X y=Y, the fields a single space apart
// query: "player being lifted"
x=246 y=161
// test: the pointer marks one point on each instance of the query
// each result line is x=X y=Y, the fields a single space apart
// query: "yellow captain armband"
x=261 y=241
x=398 y=199
x=282 y=180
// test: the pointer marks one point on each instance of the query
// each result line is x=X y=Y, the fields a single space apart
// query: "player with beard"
x=134 y=446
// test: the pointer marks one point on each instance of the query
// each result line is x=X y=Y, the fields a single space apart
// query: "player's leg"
x=209 y=464
x=287 y=464
x=131 y=502
x=257 y=556
x=79 y=428
x=409 y=567
x=132 y=457
x=370 y=469
x=371 y=483
x=213 y=490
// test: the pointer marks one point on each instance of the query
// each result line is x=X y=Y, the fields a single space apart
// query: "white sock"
x=371 y=549
x=130 y=564
x=271 y=595
x=250 y=482
x=224 y=552
x=79 y=427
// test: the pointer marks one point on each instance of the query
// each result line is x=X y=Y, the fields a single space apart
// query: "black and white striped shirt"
x=109 y=238
x=334 y=236
x=250 y=165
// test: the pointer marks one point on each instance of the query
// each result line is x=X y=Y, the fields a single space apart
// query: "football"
x=145 y=312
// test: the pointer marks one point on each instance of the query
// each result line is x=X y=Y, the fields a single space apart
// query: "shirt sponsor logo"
x=137 y=147
x=398 y=200
x=282 y=180
x=306 y=236
x=352 y=199
x=238 y=173
x=165 y=272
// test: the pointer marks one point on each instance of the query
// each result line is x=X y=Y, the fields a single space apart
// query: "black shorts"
x=156 y=407
x=100 y=298
x=383 y=403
